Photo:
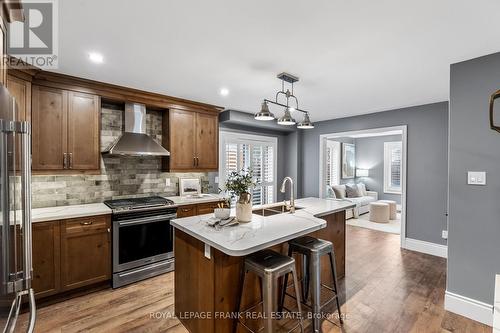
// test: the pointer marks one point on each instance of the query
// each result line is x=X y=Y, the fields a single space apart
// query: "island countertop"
x=262 y=232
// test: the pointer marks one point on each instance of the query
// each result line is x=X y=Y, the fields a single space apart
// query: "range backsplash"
x=120 y=176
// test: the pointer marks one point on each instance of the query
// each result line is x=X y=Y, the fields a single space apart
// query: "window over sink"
x=239 y=151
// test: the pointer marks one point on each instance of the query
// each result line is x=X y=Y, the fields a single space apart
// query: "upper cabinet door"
x=182 y=140
x=49 y=128
x=21 y=91
x=83 y=131
x=207 y=143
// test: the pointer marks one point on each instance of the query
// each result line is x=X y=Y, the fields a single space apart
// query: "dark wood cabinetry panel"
x=70 y=254
x=182 y=142
x=207 y=208
x=65 y=130
x=49 y=128
x=21 y=91
x=83 y=131
x=207 y=141
x=193 y=139
x=46 y=258
x=186 y=211
x=85 y=251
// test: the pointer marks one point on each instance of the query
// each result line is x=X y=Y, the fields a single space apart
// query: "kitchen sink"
x=273 y=210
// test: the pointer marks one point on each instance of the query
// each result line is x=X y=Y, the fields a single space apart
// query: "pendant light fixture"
x=264 y=113
x=287 y=119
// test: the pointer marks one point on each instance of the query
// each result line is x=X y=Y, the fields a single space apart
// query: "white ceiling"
x=352 y=57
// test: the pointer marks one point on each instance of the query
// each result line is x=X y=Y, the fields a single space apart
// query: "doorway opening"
x=367 y=167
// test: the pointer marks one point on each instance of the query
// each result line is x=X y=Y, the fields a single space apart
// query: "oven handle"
x=147 y=220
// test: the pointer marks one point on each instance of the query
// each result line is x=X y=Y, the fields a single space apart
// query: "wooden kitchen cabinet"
x=65 y=130
x=46 y=258
x=182 y=138
x=21 y=91
x=207 y=141
x=197 y=209
x=207 y=208
x=193 y=140
x=85 y=251
x=70 y=254
x=187 y=210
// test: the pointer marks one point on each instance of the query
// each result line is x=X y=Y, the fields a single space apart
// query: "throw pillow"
x=339 y=191
x=362 y=189
x=330 y=193
x=352 y=191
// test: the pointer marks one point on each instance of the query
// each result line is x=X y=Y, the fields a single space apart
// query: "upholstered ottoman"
x=379 y=212
x=392 y=208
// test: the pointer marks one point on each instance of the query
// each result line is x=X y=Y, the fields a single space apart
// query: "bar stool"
x=269 y=266
x=312 y=249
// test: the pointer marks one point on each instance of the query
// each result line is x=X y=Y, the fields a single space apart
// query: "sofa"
x=362 y=201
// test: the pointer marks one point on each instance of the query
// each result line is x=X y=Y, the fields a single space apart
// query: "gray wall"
x=474 y=211
x=370 y=155
x=427 y=162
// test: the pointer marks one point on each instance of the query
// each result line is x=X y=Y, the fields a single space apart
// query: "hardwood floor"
x=387 y=290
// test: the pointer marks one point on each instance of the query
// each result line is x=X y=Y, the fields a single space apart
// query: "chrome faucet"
x=290 y=207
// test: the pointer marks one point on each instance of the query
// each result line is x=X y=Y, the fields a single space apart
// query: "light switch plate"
x=444 y=234
x=476 y=178
x=216 y=180
x=167 y=181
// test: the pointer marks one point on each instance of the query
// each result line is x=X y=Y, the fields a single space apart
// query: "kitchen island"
x=208 y=262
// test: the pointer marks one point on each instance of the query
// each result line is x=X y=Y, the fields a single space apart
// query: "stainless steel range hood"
x=134 y=141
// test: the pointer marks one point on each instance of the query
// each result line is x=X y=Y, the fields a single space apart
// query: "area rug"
x=393 y=227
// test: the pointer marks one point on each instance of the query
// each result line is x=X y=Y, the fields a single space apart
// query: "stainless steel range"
x=142 y=238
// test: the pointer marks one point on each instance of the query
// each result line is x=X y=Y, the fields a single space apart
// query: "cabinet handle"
x=197 y=161
x=185 y=210
x=86 y=223
x=71 y=160
x=194 y=161
x=65 y=160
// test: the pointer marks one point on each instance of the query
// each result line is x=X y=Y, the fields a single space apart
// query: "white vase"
x=244 y=208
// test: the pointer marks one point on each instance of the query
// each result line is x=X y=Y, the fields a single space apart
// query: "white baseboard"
x=468 y=307
x=426 y=247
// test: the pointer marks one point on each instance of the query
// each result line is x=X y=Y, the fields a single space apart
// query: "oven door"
x=141 y=240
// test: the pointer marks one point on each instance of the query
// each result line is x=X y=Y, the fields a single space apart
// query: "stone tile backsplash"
x=121 y=176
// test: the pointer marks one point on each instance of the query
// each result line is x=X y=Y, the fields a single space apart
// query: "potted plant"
x=238 y=185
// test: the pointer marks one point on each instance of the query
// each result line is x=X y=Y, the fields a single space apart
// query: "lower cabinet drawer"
x=207 y=208
x=86 y=224
x=187 y=210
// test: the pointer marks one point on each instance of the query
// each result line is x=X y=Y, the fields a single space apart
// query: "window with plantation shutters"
x=332 y=163
x=242 y=151
x=392 y=167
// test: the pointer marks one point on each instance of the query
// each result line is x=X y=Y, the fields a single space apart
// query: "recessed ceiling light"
x=224 y=92
x=96 y=57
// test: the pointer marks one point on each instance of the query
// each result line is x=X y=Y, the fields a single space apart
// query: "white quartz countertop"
x=74 y=211
x=180 y=201
x=68 y=212
x=262 y=232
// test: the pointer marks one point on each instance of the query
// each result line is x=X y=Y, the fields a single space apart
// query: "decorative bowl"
x=222 y=213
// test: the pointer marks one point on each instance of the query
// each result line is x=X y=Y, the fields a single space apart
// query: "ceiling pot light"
x=306 y=123
x=287 y=119
x=96 y=57
x=264 y=113
x=224 y=91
